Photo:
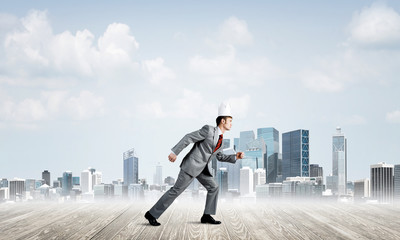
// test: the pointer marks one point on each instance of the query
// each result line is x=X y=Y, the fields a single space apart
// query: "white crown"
x=224 y=110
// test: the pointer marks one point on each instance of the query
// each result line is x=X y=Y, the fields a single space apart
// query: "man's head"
x=224 y=122
x=224 y=119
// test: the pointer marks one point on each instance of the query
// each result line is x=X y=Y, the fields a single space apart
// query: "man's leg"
x=166 y=200
x=212 y=193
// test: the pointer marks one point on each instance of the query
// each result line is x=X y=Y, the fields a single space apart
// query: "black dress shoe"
x=152 y=220
x=206 y=218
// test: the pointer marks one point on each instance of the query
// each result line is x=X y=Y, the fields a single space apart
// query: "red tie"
x=218 y=143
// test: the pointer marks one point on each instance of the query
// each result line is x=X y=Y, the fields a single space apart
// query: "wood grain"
x=240 y=220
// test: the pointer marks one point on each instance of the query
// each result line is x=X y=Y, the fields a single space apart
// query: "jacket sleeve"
x=192 y=137
x=226 y=158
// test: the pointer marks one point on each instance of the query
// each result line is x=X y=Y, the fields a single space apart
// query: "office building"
x=3 y=183
x=76 y=181
x=222 y=179
x=46 y=177
x=67 y=183
x=316 y=170
x=259 y=177
x=361 y=189
x=396 y=179
x=246 y=181
x=295 y=154
x=271 y=161
x=131 y=167
x=158 y=177
x=86 y=181
x=382 y=182
x=339 y=160
x=254 y=154
x=245 y=138
x=17 y=189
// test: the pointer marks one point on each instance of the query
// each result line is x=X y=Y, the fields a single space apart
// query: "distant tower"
x=295 y=154
x=158 y=177
x=67 y=183
x=246 y=181
x=17 y=189
x=382 y=182
x=86 y=181
x=339 y=161
x=271 y=164
x=46 y=177
x=131 y=167
x=222 y=177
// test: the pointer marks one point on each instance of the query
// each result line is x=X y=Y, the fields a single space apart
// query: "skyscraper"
x=382 y=182
x=4 y=183
x=259 y=177
x=295 y=154
x=131 y=167
x=396 y=182
x=245 y=138
x=316 y=170
x=222 y=179
x=339 y=160
x=271 y=164
x=246 y=181
x=17 y=189
x=158 y=177
x=254 y=154
x=67 y=183
x=86 y=181
x=46 y=177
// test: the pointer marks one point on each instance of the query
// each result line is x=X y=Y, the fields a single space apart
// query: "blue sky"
x=80 y=83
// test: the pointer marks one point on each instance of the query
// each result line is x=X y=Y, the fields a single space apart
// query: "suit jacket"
x=205 y=140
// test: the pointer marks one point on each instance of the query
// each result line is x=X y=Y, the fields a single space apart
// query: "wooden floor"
x=182 y=221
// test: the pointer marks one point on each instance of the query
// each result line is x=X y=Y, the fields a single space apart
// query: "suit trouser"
x=181 y=184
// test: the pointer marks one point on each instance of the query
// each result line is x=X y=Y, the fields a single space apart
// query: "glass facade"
x=254 y=154
x=339 y=161
x=131 y=167
x=295 y=154
x=245 y=138
x=271 y=161
x=66 y=183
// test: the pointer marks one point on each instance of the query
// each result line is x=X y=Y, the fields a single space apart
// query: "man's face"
x=227 y=124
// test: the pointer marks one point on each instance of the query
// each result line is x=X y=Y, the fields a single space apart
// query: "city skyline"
x=78 y=88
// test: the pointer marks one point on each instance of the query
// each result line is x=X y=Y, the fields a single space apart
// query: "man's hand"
x=172 y=157
x=239 y=155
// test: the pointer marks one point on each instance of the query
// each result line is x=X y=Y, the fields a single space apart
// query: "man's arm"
x=229 y=158
x=188 y=139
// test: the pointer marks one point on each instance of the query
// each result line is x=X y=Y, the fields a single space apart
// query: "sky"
x=82 y=82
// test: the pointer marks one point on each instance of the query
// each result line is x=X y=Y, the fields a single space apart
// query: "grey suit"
x=195 y=165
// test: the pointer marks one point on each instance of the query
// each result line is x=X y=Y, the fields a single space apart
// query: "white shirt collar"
x=219 y=131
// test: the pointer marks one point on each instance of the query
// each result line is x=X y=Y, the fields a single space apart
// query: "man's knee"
x=213 y=188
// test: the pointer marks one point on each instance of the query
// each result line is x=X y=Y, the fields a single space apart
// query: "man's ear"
x=223 y=121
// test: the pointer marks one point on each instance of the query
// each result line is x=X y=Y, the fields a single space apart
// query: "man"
x=207 y=143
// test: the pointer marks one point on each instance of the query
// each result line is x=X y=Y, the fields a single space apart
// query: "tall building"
x=222 y=179
x=254 y=154
x=382 y=182
x=17 y=189
x=131 y=167
x=396 y=178
x=236 y=144
x=158 y=177
x=232 y=169
x=361 y=188
x=295 y=154
x=246 y=181
x=86 y=181
x=76 y=181
x=316 y=170
x=4 y=183
x=259 y=177
x=339 y=160
x=46 y=177
x=271 y=163
x=67 y=183
x=245 y=138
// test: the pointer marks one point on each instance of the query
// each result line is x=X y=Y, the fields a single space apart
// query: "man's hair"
x=219 y=119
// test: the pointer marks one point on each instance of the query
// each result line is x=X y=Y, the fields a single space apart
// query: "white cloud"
x=35 y=54
x=193 y=105
x=234 y=31
x=157 y=71
x=393 y=117
x=51 y=105
x=377 y=25
x=150 y=110
x=355 y=120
